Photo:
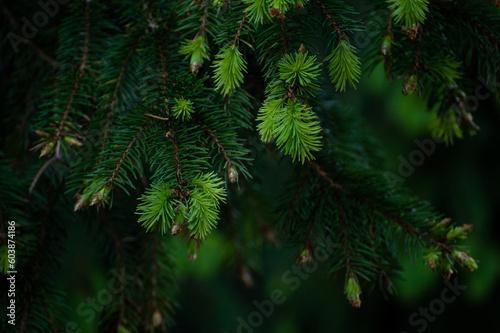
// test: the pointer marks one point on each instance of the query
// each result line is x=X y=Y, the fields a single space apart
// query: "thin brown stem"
x=156 y=117
x=399 y=221
x=41 y=172
x=329 y=16
x=126 y=152
x=177 y=159
x=324 y=175
x=238 y=33
x=217 y=142
x=418 y=54
x=203 y=26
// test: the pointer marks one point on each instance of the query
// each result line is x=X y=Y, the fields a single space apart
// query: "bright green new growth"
x=198 y=49
x=447 y=126
x=352 y=291
x=157 y=208
x=294 y=126
x=183 y=108
x=344 y=65
x=258 y=11
x=267 y=116
x=229 y=69
x=300 y=69
x=203 y=204
x=409 y=12
x=283 y=5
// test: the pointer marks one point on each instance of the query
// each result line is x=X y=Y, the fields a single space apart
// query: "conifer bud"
x=463 y=258
x=47 y=149
x=176 y=228
x=42 y=134
x=441 y=225
x=470 y=121
x=447 y=270
x=432 y=258
x=353 y=290
x=157 y=318
x=302 y=49
x=460 y=256
x=305 y=256
x=275 y=12
x=195 y=66
x=412 y=31
x=386 y=45
x=471 y=264
x=179 y=218
x=467 y=228
x=72 y=141
x=459 y=232
x=100 y=196
x=232 y=174
x=410 y=84
x=82 y=201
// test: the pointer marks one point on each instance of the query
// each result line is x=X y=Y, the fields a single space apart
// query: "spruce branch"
x=343 y=65
x=159 y=208
x=124 y=155
x=229 y=69
x=352 y=288
x=258 y=11
x=409 y=12
x=111 y=105
x=399 y=221
x=240 y=28
x=81 y=69
x=305 y=255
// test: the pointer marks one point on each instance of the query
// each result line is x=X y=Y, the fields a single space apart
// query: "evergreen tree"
x=140 y=118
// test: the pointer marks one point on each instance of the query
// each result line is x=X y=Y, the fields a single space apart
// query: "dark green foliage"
x=145 y=119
